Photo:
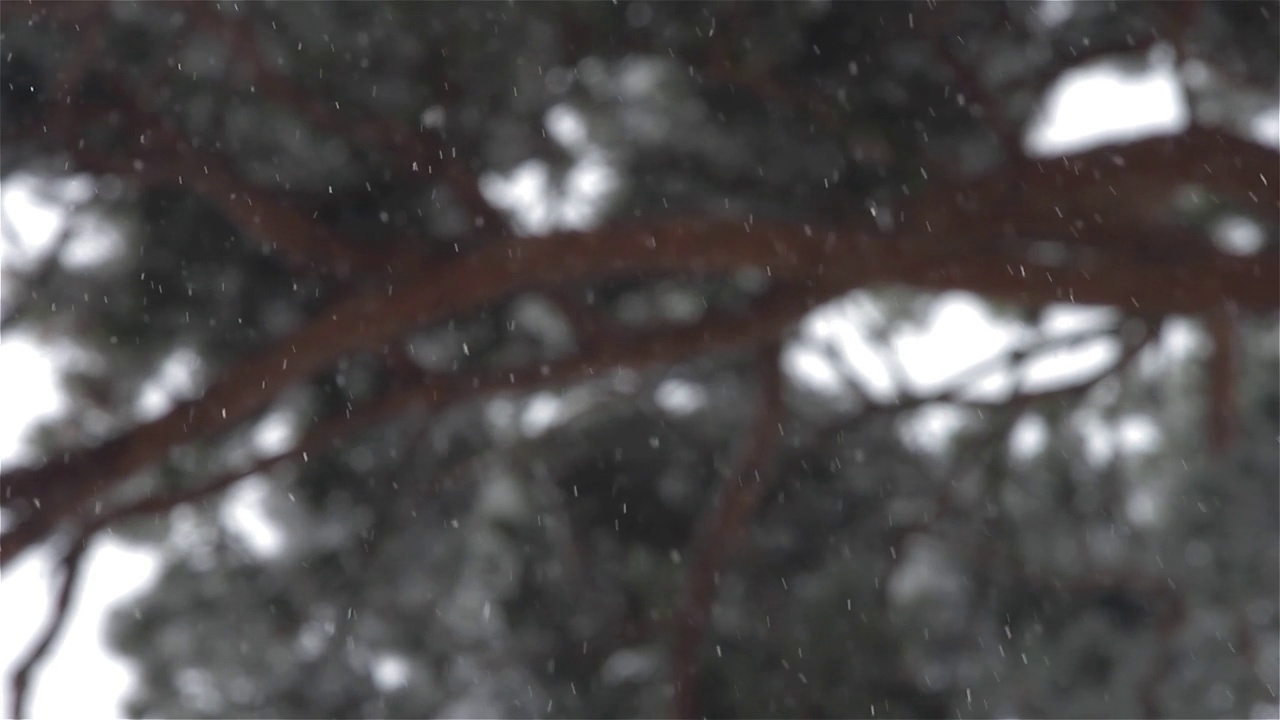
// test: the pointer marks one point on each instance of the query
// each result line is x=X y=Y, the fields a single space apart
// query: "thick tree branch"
x=435 y=391
x=939 y=246
x=835 y=261
x=1115 y=198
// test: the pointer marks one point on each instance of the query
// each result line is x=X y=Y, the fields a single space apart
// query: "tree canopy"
x=564 y=347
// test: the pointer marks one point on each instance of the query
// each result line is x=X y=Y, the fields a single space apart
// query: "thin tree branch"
x=994 y=113
x=158 y=149
x=158 y=152
x=959 y=385
x=721 y=530
x=410 y=148
x=36 y=281
x=1223 y=420
x=70 y=575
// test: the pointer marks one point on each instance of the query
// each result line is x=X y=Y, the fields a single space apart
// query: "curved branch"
x=651 y=349
x=938 y=256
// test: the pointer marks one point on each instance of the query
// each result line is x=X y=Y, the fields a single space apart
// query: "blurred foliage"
x=524 y=555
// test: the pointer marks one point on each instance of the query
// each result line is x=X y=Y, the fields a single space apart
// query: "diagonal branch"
x=721 y=530
x=70 y=576
x=941 y=255
x=994 y=112
x=644 y=351
x=159 y=151
x=773 y=314
x=38 y=279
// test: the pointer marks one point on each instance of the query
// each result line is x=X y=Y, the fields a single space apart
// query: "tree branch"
x=70 y=575
x=643 y=352
x=1223 y=420
x=647 y=349
x=1005 y=128
x=721 y=530
x=935 y=256
x=158 y=152
x=409 y=147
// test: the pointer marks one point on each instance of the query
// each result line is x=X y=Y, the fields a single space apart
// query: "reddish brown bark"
x=835 y=262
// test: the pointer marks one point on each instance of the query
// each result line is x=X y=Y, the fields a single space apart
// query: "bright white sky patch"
x=79 y=678
x=178 y=377
x=932 y=428
x=30 y=386
x=1138 y=433
x=566 y=125
x=543 y=412
x=845 y=328
x=1098 y=103
x=680 y=397
x=390 y=672
x=525 y=192
x=40 y=205
x=277 y=431
x=244 y=514
x=961 y=332
x=1265 y=127
x=1236 y=235
x=812 y=369
x=538 y=205
x=1067 y=319
x=1029 y=437
x=1054 y=12
x=1063 y=367
x=548 y=410
x=87 y=248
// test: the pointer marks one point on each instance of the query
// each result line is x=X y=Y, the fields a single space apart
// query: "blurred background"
x=651 y=491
